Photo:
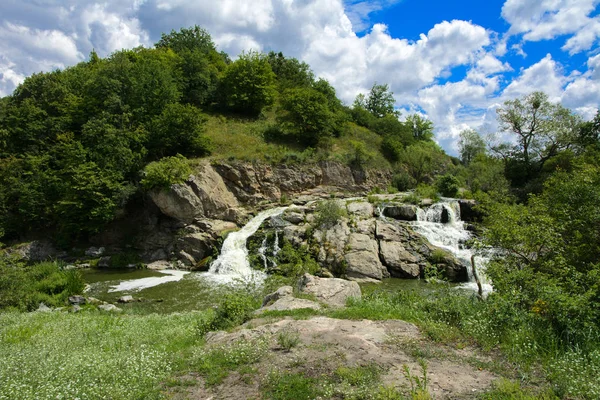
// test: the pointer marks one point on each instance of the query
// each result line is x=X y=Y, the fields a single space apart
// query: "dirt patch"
x=326 y=344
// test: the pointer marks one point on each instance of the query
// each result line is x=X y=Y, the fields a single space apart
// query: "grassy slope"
x=243 y=139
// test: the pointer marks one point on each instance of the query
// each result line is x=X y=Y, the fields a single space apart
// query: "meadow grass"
x=90 y=355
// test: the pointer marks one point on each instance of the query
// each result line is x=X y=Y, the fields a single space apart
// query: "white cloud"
x=547 y=19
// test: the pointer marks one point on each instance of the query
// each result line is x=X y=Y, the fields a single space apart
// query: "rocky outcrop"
x=468 y=211
x=332 y=291
x=204 y=195
x=362 y=258
x=401 y=212
x=283 y=299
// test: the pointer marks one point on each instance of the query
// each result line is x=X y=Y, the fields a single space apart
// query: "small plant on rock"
x=287 y=340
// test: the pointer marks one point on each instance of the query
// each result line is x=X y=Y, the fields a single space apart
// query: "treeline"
x=74 y=143
x=540 y=191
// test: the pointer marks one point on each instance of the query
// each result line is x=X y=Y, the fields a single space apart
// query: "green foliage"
x=24 y=287
x=105 y=356
x=290 y=72
x=178 y=130
x=287 y=340
x=421 y=128
x=166 y=172
x=329 y=213
x=423 y=160
x=307 y=116
x=486 y=174
x=402 y=181
x=295 y=262
x=448 y=185
x=234 y=308
x=504 y=389
x=215 y=364
x=248 y=84
x=551 y=252
x=470 y=146
x=380 y=101
x=291 y=386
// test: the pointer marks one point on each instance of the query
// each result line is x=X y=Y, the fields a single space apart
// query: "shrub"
x=24 y=287
x=328 y=213
x=287 y=340
x=403 y=181
x=448 y=185
x=166 y=172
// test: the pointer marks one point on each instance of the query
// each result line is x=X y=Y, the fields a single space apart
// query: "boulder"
x=445 y=216
x=126 y=299
x=398 y=260
x=361 y=208
x=77 y=300
x=95 y=251
x=104 y=262
x=332 y=291
x=294 y=234
x=362 y=258
x=37 y=250
x=293 y=217
x=291 y=303
x=387 y=231
x=43 y=308
x=402 y=213
x=468 y=211
x=284 y=291
x=179 y=202
x=217 y=201
x=159 y=265
x=109 y=308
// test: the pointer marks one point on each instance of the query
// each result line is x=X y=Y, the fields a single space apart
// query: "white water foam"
x=232 y=265
x=451 y=236
x=144 y=283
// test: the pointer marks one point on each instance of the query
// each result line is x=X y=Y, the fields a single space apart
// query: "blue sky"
x=454 y=62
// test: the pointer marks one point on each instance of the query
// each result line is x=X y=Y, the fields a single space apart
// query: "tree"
x=178 y=130
x=589 y=132
x=306 y=115
x=289 y=71
x=423 y=160
x=380 y=101
x=470 y=145
x=187 y=39
x=248 y=84
x=422 y=129
x=542 y=129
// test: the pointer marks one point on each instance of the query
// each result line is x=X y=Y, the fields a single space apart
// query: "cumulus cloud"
x=547 y=19
x=43 y=35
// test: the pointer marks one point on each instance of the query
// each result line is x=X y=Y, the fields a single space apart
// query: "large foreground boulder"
x=332 y=291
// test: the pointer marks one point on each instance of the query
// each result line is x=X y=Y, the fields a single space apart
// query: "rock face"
x=283 y=299
x=331 y=291
x=362 y=258
x=402 y=213
x=468 y=212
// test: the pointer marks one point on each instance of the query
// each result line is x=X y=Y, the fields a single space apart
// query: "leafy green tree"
x=551 y=248
x=589 y=132
x=306 y=116
x=421 y=128
x=178 y=130
x=470 y=145
x=380 y=101
x=187 y=40
x=248 y=84
x=422 y=160
x=486 y=174
x=290 y=72
x=542 y=128
x=448 y=185
x=166 y=172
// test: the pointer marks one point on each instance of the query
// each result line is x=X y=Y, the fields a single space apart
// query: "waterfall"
x=262 y=251
x=441 y=225
x=232 y=264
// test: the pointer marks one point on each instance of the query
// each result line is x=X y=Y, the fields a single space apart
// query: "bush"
x=166 y=172
x=403 y=181
x=448 y=185
x=328 y=213
x=24 y=287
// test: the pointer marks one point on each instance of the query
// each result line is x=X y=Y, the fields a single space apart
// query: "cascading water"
x=232 y=264
x=441 y=225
